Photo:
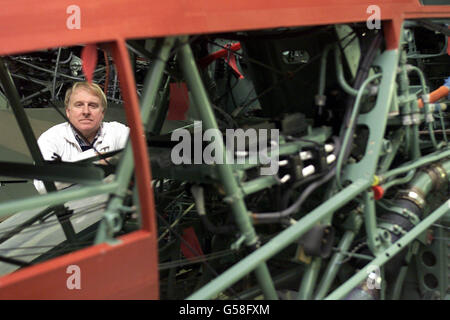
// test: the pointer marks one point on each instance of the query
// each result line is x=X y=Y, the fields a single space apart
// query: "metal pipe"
x=125 y=168
x=51 y=199
x=153 y=82
x=390 y=252
x=259 y=184
x=322 y=78
x=340 y=73
x=398 y=181
x=334 y=265
x=418 y=163
x=309 y=279
x=280 y=241
x=350 y=125
x=234 y=194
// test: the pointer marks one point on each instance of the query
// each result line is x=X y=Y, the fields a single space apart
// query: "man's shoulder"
x=114 y=125
x=58 y=130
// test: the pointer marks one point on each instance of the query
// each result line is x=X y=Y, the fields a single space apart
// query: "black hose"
x=278 y=215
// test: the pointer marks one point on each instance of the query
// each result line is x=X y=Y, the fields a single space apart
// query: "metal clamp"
x=415 y=118
x=393 y=228
x=414 y=195
x=407 y=120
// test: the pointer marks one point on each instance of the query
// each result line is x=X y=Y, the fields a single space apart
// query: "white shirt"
x=60 y=140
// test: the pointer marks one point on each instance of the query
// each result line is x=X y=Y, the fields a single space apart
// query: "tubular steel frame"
x=137 y=251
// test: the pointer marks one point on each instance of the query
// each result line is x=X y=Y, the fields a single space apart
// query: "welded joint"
x=233 y=198
x=113 y=223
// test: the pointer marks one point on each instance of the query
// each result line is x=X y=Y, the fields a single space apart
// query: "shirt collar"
x=81 y=141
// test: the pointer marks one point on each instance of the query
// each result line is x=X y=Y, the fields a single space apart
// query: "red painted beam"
x=128 y=270
x=27 y=25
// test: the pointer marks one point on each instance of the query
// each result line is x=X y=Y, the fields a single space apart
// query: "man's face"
x=85 y=112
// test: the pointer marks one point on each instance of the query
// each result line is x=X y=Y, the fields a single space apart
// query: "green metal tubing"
x=334 y=265
x=235 y=197
x=259 y=184
x=286 y=277
x=411 y=144
x=398 y=181
x=424 y=182
x=309 y=280
x=340 y=73
x=126 y=164
x=418 y=163
x=390 y=252
x=370 y=222
x=350 y=124
x=156 y=121
x=52 y=199
x=444 y=131
x=281 y=241
x=397 y=289
x=323 y=70
x=425 y=103
x=153 y=82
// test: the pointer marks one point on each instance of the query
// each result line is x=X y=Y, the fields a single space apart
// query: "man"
x=85 y=108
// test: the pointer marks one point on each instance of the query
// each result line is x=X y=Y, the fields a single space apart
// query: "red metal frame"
x=126 y=270
x=28 y=25
x=129 y=269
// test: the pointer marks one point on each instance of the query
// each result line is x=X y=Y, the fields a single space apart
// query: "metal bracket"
x=412 y=217
x=393 y=228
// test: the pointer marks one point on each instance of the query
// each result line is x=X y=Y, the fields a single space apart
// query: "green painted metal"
x=259 y=184
x=424 y=160
x=334 y=265
x=225 y=171
x=152 y=113
x=390 y=252
x=397 y=290
x=288 y=236
x=309 y=280
x=352 y=184
x=125 y=168
x=352 y=120
x=53 y=199
x=340 y=73
x=389 y=157
x=375 y=120
x=370 y=223
x=399 y=181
